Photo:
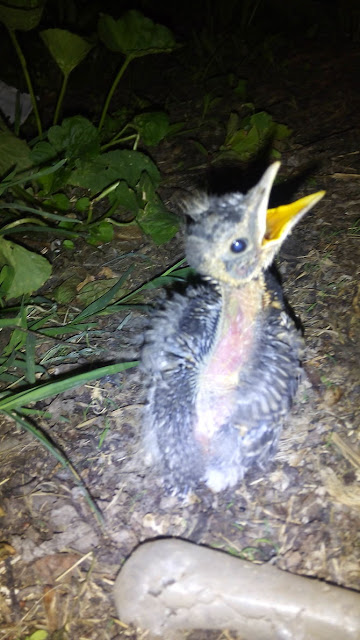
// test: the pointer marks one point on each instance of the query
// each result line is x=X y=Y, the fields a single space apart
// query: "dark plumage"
x=223 y=360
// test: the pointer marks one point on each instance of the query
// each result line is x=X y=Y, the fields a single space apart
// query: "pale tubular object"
x=170 y=585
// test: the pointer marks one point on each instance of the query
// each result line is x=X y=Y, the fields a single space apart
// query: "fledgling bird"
x=223 y=360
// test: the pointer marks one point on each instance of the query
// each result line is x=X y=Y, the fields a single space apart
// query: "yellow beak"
x=281 y=220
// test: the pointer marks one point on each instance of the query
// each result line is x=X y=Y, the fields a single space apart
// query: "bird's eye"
x=238 y=245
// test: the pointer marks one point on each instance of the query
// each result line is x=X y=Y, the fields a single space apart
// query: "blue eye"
x=238 y=245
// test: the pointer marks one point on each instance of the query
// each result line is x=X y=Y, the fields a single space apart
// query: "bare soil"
x=303 y=513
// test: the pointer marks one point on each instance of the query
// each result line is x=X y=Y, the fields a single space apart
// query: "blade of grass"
x=48 y=389
x=61 y=457
x=40 y=212
x=100 y=303
x=51 y=332
x=9 y=182
x=38 y=228
x=30 y=357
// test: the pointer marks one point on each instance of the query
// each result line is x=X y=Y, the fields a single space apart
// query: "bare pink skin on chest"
x=235 y=340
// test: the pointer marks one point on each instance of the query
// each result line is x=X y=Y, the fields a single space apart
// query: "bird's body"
x=223 y=360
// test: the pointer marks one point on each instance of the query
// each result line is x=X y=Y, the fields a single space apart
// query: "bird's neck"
x=236 y=339
x=237 y=330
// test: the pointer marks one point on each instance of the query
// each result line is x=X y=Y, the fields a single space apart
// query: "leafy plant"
x=134 y=36
x=135 y=191
x=23 y=15
x=68 y=50
x=119 y=175
x=246 y=136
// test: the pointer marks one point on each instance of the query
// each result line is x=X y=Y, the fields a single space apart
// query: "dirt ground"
x=303 y=513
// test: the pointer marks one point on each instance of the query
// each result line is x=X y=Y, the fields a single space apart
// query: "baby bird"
x=223 y=361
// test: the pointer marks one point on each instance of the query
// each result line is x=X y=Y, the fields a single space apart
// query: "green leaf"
x=23 y=15
x=263 y=122
x=282 y=132
x=232 y=125
x=13 y=152
x=58 y=201
x=126 y=197
x=68 y=244
x=101 y=233
x=98 y=173
x=42 y=152
x=38 y=635
x=6 y=277
x=156 y=221
x=241 y=89
x=146 y=188
x=67 y=290
x=152 y=126
x=76 y=136
x=82 y=205
x=134 y=35
x=67 y=49
x=30 y=270
x=253 y=133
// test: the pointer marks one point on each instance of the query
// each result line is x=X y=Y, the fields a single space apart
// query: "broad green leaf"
x=98 y=173
x=100 y=233
x=6 y=277
x=30 y=270
x=67 y=49
x=58 y=201
x=126 y=197
x=82 y=204
x=241 y=89
x=146 y=188
x=68 y=244
x=250 y=135
x=42 y=152
x=152 y=126
x=263 y=123
x=67 y=290
x=245 y=143
x=22 y=15
x=76 y=136
x=13 y=152
x=232 y=125
x=282 y=132
x=38 y=635
x=134 y=35
x=156 y=221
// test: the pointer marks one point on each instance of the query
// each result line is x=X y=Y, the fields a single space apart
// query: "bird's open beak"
x=281 y=220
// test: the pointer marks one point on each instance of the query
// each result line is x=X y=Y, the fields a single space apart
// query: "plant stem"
x=112 y=89
x=21 y=57
x=119 y=141
x=61 y=97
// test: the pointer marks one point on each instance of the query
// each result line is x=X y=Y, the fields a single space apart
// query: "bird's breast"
x=235 y=341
